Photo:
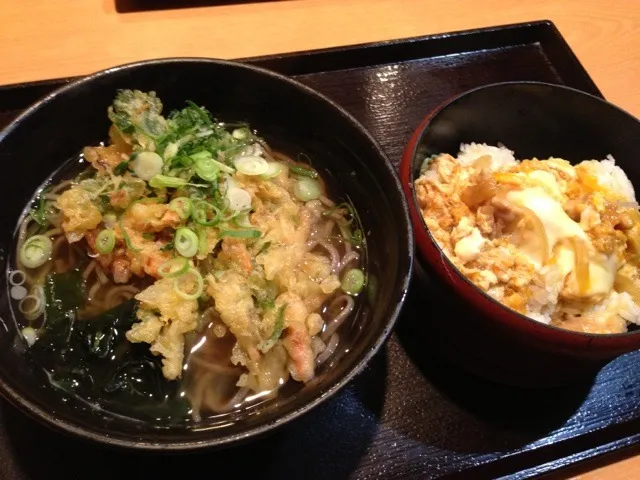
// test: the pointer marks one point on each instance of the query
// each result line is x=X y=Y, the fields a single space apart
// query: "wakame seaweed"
x=91 y=357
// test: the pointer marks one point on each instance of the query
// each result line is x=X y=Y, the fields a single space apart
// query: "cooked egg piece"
x=469 y=247
x=556 y=222
x=602 y=272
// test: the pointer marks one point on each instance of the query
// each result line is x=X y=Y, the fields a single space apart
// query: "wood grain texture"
x=59 y=38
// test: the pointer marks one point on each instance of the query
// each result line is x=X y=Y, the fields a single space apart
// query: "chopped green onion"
x=277 y=331
x=165 y=181
x=186 y=242
x=168 y=247
x=206 y=214
x=127 y=238
x=121 y=168
x=206 y=169
x=200 y=155
x=242 y=220
x=307 y=189
x=251 y=165
x=30 y=335
x=240 y=133
x=182 y=206
x=353 y=281
x=304 y=172
x=170 y=151
x=105 y=241
x=204 y=155
x=178 y=284
x=36 y=251
x=39 y=214
x=240 y=233
x=202 y=241
x=223 y=167
x=174 y=267
x=239 y=199
x=275 y=169
x=147 y=165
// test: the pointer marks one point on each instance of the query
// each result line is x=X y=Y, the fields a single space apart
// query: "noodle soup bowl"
x=535 y=120
x=291 y=118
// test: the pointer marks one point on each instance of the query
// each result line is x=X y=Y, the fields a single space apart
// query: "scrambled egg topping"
x=550 y=240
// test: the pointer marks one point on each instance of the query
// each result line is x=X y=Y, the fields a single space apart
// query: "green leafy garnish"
x=277 y=330
x=127 y=239
x=249 y=233
x=121 y=168
x=304 y=172
x=168 y=247
x=138 y=114
x=39 y=214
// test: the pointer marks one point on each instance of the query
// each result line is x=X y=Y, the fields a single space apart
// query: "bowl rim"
x=36 y=410
x=408 y=178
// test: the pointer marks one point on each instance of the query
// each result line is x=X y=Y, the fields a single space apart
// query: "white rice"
x=500 y=156
x=611 y=176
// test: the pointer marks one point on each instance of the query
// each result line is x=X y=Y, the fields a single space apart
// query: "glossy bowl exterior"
x=534 y=120
x=290 y=116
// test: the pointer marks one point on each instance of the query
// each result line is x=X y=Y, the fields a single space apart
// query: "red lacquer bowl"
x=535 y=120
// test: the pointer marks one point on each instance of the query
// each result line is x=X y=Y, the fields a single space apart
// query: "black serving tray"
x=410 y=414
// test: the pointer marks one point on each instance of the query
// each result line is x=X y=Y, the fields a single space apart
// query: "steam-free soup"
x=186 y=268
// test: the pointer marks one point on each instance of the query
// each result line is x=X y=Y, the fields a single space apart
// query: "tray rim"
x=543 y=25
x=538 y=29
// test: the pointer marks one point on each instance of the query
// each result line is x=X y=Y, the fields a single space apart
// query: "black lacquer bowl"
x=291 y=117
x=539 y=120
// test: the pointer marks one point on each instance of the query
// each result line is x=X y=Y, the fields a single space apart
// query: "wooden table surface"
x=59 y=38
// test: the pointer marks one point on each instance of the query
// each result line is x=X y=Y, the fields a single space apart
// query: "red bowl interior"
x=533 y=119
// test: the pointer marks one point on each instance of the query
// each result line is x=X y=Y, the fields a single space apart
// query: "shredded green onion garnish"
x=277 y=330
x=275 y=169
x=174 y=267
x=304 y=172
x=202 y=241
x=251 y=165
x=182 y=206
x=353 y=281
x=307 y=189
x=105 y=241
x=181 y=283
x=207 y=169
x=127 y=238
x=186 y=242
x=121 y=168
x=165 y=181
x=240 y=233
x=36 y=251
x=206 y=214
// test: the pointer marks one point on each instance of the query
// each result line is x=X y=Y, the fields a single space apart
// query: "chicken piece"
x=152 y=217
x=79 y=214
x=105 y=159
x=165 y=331
x=485 y=220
